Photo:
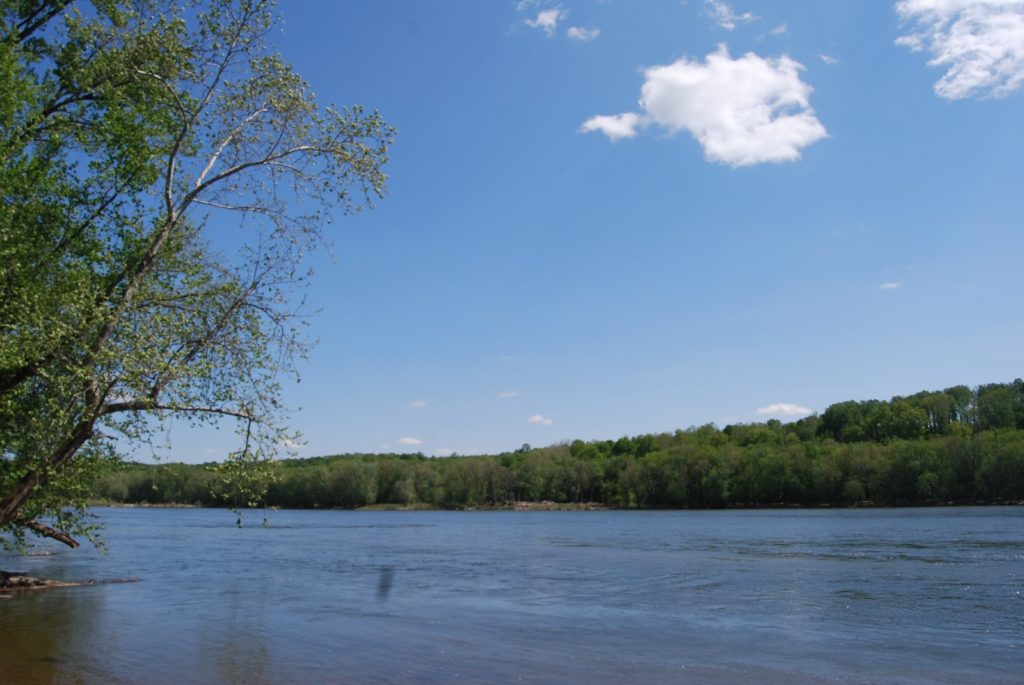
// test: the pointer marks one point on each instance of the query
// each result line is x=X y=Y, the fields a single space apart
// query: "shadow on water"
x=41 y=633
x=233 y=644
x=387 y=576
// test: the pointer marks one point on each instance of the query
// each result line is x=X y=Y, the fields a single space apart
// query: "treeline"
x=929 y=448
x=950 y=411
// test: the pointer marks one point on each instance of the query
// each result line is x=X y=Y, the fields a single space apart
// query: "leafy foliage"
x=765 y=464
x=130 y=131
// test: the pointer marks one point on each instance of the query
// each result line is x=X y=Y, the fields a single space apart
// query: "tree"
x=908 y=421
x=130 y=132
x=843 y=421
x=995 y=408
x=962 y=399
x=939 y=408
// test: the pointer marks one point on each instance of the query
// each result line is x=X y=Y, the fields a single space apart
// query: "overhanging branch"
x=145 y=404
x=50 y=532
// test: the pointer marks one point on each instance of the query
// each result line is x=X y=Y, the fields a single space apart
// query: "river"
x=715 y=597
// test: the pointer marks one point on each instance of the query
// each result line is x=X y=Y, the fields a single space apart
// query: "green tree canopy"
x=130 y=132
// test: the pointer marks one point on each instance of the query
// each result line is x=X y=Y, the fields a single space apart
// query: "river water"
x=792 y=596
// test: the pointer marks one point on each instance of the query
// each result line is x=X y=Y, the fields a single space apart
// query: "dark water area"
x=847 y=596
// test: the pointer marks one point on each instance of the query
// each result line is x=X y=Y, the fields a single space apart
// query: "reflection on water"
x=894 y=596
x=387 y=576
x=43 y=631
x=235 y=649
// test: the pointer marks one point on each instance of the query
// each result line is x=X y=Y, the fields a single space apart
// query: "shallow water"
x=847 y=596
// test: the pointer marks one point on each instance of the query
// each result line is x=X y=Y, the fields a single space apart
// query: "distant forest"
x=959 y=445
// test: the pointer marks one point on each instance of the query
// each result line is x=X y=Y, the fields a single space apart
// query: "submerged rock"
x=16 y=581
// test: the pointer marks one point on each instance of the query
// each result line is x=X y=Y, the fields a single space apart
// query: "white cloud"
x=979 y=42
x=828 y=59
x=540 y=420
x=508 y=394
x=290 y=444
x=418 y=404
x=444 y=452
x=615 y=126
x=724 y=15
x=547 y=20
x=581 y=34
x=892 y=285
x=779 y=30
x=742 y=111
x=784 y=409
x=410 y=441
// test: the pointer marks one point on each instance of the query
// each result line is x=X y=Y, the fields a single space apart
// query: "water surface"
x=846 y=596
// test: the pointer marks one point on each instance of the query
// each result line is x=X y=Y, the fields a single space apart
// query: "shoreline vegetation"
x=560 y=506
x=958 y=446
x=420 y=506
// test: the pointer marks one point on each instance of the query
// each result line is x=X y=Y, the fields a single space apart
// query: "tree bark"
x=21 y=492
x=49 y=532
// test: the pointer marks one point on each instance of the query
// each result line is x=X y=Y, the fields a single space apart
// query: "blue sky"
x=612 y=218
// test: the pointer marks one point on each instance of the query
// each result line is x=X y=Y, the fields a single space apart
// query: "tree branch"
x=37 y=18
x=57 y=458
x=50 y=532
x=224 y=143
x=146 y=404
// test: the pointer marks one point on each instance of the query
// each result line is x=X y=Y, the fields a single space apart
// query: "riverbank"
x=548 y=505
x=511 y=506
x=743 y=466
x=17 y=581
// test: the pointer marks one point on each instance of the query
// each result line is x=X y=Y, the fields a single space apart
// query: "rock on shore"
x=11 y=581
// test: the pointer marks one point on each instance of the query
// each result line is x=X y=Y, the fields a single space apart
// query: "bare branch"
x=50 y=532
x=147 y=405
x=224 y=143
